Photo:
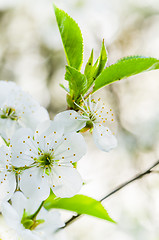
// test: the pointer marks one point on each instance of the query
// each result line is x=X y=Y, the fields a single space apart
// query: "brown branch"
x=118 y=188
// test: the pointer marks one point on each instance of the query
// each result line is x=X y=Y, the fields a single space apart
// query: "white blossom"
x=29 y=224
x=18 y=109
x=7 y=175
x=49 y=155
x=94 y=117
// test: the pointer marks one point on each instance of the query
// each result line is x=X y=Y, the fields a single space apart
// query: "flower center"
x=8 y=112
x=92 y=116
x=46 y=161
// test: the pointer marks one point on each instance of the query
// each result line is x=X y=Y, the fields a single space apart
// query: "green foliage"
x=101 y=60
x=95 y=76
x=125 y=67
x=77 y=82
x=65 y=88
x=71 y=38
x=80 y=204
x=89 y=65
x=92 y=71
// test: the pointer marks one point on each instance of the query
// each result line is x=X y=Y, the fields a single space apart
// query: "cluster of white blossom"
x=38 y=155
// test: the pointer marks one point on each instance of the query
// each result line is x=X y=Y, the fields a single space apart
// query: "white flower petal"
x=27 y=111
x=33 y=119
x=7 y=185
x=47 y=133
x=34 y=184
x=20 y=134
x=19 y=202
x=11 y=216
x=23 y=148
x=47 y=127
x=4 y=156
x=71 y=149
x=70 y=121
x=65 y=181
x=52 y=217
x=29 y=235
x=103 y=138
x=7 y=128
x=5 y=90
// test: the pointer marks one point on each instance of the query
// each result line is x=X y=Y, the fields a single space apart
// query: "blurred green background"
x=31 y=54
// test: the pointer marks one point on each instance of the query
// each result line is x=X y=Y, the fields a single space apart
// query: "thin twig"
x=121 y=186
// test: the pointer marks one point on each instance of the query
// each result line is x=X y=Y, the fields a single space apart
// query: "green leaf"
x=80 y=204
x=65 y=88
x=124 y=68
x=92 y=71
x=129 y=57
x=102 y=60
x=89 y=65
x=71 y=38
x=77 y=82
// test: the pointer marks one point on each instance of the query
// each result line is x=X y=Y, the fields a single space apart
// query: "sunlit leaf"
x=102 y=60
x=124 y=68
x=77 y=82
x=71 y=38
x=80 y=204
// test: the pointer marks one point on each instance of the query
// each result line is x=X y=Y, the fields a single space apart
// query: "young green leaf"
x=129 y=57
x=71 y=38
x=124 y=68
x=89 y=65
x=92 y=71
x=102 y=60
x=77 y=82
x=65 y=88
x=80 y=204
